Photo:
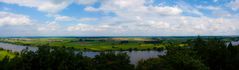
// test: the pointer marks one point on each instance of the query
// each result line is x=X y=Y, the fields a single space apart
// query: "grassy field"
x=4 y=53
x=93 y=44
x=103 y=44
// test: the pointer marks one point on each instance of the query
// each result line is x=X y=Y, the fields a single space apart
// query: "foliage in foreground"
x=4 y=53
x=65 y=59
x=176 y=59
x=200 y=55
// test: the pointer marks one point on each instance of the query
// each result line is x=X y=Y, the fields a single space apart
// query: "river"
x=234 y=43
x=135 y=56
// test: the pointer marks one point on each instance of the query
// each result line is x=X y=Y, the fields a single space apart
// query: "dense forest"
x=201 y=54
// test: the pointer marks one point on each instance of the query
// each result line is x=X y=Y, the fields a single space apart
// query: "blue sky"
x=118 y=17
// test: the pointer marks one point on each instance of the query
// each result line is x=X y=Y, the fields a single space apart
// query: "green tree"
x=177 y=58
x=112 y=61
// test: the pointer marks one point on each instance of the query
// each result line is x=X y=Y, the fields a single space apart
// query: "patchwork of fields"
x=109 y=43
x=93 y=44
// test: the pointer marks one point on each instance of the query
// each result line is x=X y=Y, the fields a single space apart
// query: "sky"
x=119 y=17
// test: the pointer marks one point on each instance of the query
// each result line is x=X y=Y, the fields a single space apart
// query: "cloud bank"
x=130 y=18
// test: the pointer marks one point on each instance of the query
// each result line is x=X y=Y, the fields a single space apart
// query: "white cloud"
x=209 y=7
x=141 y=17
x=63 y=18
x=91 y=9
x=157 y=25
x=216 y=11
x=189 y=9
x=84 y=27
x=49 y=6
x=87 y=19
x=135 y=7
x=166 y=10
x=7 y=18
x=86 y=2
x=60 y=18
x=29 y=3
x=222 y=13
x=234 y=4
x=52 y=26
x=53 y=7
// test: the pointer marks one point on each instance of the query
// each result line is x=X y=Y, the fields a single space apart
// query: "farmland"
x=95 y=44
x=107 y=43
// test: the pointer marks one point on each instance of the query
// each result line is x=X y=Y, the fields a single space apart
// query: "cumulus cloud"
x=49 y=6
x=216 y=11
x=60 y=18
x=83 y=27
x=144 y=7
x=12 y=19
x=12 y=24
x=181 y=25
x=144 y=18
x=87 y=19
x=63 y=18
x=52 y=7
x=52 y=26
x=209 y=7
x=166 y=10
x=222 y=13
x=234 y=4
x=86 y=2
x=91 y=9
x=138 y=17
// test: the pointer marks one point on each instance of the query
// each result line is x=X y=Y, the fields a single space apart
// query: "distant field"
x=103 y=44
x=95 y=44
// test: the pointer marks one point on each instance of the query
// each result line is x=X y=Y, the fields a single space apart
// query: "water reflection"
x=135 y=56
x=234 y=43
x=15 y=48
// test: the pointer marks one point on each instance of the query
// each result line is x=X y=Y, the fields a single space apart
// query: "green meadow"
x=93 y=44
x=110 y=43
